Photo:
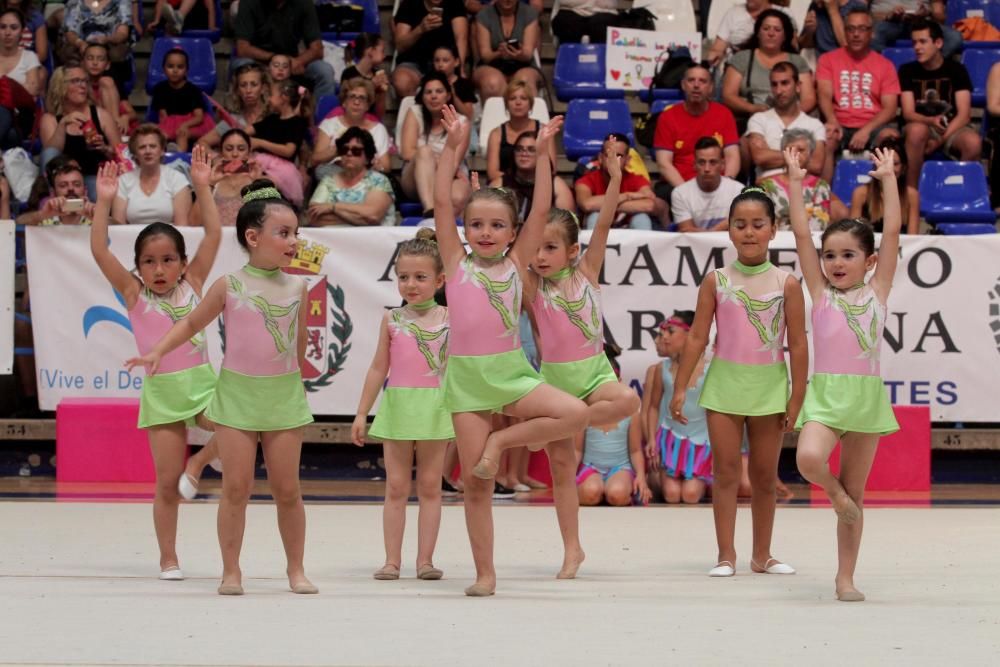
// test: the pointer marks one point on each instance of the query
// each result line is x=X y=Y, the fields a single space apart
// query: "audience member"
x=17 y=62
x=579 y=19
x=354 y=194
x=765 y=128
x=34 y=35
x=365 y=55
x=824 y=25
x=280 y=137
x=866 y=200
x=858 y=89
x=936 y=102
x=636 y=203
x=419 y=28
x=246 y=103
x=356 y=96
x=67 y=203
x=176 y=16
x=178 y=104
x=702 y=203
x=519 y=98
x=464 y=96
x=104 y=90
x=151 y=192
x=894 y=19
x=232 y=170
x=993 y=119
x=520 y=177
x=822 y=206
x=104 y=21
x=506 y=35
x=736 y=28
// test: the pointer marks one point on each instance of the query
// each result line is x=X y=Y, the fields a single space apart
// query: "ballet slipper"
x=187 y=486
x=487 y=468
x=521 y=488
x=724 y=568
x=845 y=507
x=172 y=573
x=304 y=588
x=230 y=589
x=478 y=590
x=772 y=566
x=852 y=595
x=387 y=573
x=428 y=572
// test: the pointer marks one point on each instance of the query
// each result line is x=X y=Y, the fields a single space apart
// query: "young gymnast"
x=752 y=303
x=412 y=350
x=846 y=399
x=612 y=466
x=487 y=371
x=163 y=289
x=259 y=394
x=683 y=449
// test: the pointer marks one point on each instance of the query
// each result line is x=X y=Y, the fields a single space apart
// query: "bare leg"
x=398 y=468
x=816 y=443
x=282 y=453
x=610 y=403
x=618 y=489
x=425 y=164
x=693 y=490
x=472 y=429
x=450 y=463
x=430 y=463
x=562 y=463
x=591 y=491
x=238 y=451
x=168 y=444
x=765 y=447
x=671 y=489
x=744 y=491
x=726 y=434
x=856 y=458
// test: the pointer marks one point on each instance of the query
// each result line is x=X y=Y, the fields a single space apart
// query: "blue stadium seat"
x=201 y=62
x=325 y=105
x=588 y=122
x=369 y=23
x=659 y=105
x=960 y=9
x=899 y=55
x=411 y=221
x=410 y=208
x=579 y=73
x=978 y=62
x=848 y=175
x=954 y=192
x=130 y=84
x=173 y=156
x=965 y=228
x=670 y=94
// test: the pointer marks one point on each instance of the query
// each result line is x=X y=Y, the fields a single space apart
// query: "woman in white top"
x=424 y=136
x=18 y=63
x=356 y=97
x=151 y=193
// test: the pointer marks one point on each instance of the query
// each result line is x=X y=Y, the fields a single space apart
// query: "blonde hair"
x=503 y=195
x=518 y=85
x=424 y=244
x=59 y=84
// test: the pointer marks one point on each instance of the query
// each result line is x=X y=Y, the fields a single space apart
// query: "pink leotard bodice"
x=484 y=307
x=418 y=346
x=847 y=331
x=262 y=321
x=750 y=316
x=568 y=316
x=152 y=317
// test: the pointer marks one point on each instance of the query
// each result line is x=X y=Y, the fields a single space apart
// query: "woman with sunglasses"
x=520 y=177
x=356 y=97
x=353 y=195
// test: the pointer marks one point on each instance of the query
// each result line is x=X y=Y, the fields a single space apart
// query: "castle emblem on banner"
x=328 y=325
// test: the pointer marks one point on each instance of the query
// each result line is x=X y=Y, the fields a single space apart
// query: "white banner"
x=633 y=56
x=941 y=348
x=7 y=297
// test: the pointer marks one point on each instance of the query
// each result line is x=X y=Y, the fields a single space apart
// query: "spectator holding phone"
x=67 y=203
x=507 y=34
x=233 y=170
x=420 y=27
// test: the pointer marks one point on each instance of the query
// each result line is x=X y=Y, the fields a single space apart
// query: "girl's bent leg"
x=610 y=403
x=430 y=465
x=282 y=453
x=562 y=463
x=765 y=448
x=816 y=443
x=693 y=490
x=167 y=444
x=398 y=470
x=618 y=489
x=725 y=432
x=856 y=458
x=671 y=489
x=471 y=431
x=591 y=490
x=238 y=451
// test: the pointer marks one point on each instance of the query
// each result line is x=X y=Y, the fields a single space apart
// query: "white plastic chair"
x=495 y=114
x=717 y=10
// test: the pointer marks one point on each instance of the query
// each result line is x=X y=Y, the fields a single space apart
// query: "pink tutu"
x=171 y=123
x=683 y=458
x=284 y=174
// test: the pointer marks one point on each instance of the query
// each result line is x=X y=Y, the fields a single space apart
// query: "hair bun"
x=426 y=234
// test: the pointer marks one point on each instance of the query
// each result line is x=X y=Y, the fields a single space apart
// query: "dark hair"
x=176 y=52
x=449 y=48
x=424 y=244
x=756 y=195
x=95 y=45
x=42 y=187
x=787 y=27
x=429 y=77
x=235 y=131
x=355 y=50
x=359 y=134
x=155 y=229
x=858 y=9
x=612 y=351
x=859 y=228
x=298 y=96
x=787 y=66
x=568 y=223
x=873 y=202
x=16 y=12
x=931 y=26
x=253 y=213
x=705 y=143
x=685 y=316
x=618 y=136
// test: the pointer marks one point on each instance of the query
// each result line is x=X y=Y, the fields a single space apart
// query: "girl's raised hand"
x=548 y=131
x=107 y=182
x=474 y=181
x=885 y=167
x=201 y=167
x=150 y=361
x=457 y=126
x=795 y=170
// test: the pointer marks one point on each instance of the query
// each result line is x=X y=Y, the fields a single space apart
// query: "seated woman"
x=353 y=195
x=151 y=192
x=822 y=206
x=34 y=35
x=612 y=466
x=356 y=96
x=519 y=98
x=520 y=177
x=233 y=170
x=22 y=68
x=736 y=27
x=866 y=200
x=465 y=97
x=507 y=34
x=246 y=103
x=424 y=137
x=104 y=21
x=419 y=27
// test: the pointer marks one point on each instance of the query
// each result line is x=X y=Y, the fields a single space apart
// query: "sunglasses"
x=355 y=151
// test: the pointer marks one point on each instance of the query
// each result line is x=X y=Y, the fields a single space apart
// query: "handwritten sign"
x=633 y=56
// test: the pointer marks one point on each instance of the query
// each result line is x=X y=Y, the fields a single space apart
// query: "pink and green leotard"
x=260 y=385
x=567 y=310
x=412 y=406
x=486 y=367
x=846 y=392
x=183 y=385
x=747 y=375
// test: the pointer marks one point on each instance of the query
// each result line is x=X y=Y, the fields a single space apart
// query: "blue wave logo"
x=97 y=314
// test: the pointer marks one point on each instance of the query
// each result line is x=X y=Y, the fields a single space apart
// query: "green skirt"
x=848 y=404
x=580 y=378
x=412 y=413
x=487 y=382
x=168 y=398
x=743 y=389
x=259 y=402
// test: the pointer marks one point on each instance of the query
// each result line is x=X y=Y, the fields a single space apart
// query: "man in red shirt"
x=679 y=127
x=636 y=201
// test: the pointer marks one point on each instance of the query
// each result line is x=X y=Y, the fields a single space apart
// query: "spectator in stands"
x=16 y=62
x=176 y=16
x=636 y=203
x=746 y=88
x=936 y=102
x=266 y=27
x=858 y=90
x=465 y=97
x=75 y=127
x=354 y=194
x=519 y=98
x=151 y=192
x=104 y=90
x=993 y=118
x=822 y=206
x=365 y=55
x=894 y=20
x=866 y=200
x=423 y=140
x=356 y=96
x=519 y=176
x=67 y=203
x=679 y=127
x=419 y=28
x=105 y=22
x=246 y=103
x=35 y=36
x=577 y=19
x=279 y=140
x=736 y=29
x=507 y=34
x=765 y=128
x=824 y=25
x=233 y=170
x=702 y=203
x=179 y=105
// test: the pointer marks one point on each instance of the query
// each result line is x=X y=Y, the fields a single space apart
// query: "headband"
x=263 y=193
x=675 y=322
x=753 y=189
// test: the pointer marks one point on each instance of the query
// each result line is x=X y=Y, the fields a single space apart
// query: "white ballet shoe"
x=772 y=566
x=186 y=487
x=172 y=574
x=723 y=569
